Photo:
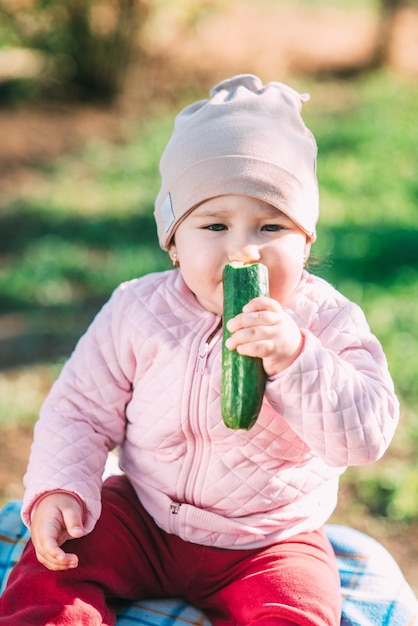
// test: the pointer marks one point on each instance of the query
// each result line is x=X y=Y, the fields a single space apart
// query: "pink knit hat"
x=247 y=139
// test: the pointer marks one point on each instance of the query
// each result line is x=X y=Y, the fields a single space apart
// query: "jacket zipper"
x=204 y=349
x=202 y=358
x=195 y=423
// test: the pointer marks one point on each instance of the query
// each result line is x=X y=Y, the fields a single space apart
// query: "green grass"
x=368 y=238
x=368 y=152
x=87 y=224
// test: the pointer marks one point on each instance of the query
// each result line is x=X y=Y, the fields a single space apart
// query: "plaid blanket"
x=374 y=590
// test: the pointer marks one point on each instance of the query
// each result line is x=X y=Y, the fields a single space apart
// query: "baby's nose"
x=244 y=254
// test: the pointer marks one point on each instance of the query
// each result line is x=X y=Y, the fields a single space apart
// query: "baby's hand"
x=57 y=518
x=264 y=330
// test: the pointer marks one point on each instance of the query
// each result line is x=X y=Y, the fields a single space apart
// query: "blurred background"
x=88 y=93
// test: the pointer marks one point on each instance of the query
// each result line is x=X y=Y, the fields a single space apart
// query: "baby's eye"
x=272 y=228
x=216 y=227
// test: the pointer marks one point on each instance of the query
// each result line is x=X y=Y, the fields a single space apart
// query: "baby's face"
x=241 y=229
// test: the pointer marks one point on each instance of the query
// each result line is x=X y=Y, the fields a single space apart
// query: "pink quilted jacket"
x=145 y=379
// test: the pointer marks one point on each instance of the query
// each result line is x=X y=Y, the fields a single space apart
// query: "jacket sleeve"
x=338 y=395
x=83 y=417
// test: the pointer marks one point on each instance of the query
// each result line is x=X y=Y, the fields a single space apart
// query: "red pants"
x=128 y=557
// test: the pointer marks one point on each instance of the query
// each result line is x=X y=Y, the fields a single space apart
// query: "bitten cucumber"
x=243 y=377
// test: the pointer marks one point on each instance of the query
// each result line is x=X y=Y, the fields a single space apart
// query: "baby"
x=230 y=520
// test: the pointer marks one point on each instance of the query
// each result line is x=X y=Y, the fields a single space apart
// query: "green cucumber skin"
x=243 y=377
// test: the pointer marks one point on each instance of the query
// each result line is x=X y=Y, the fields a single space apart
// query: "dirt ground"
x=274 y=43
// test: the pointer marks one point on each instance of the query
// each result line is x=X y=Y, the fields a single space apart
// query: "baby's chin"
x=211 y=306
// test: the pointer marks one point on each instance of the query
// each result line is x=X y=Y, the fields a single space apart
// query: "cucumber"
x=243 y=377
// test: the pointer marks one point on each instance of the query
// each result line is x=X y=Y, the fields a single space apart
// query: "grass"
x=368 y=231
x=87 y=225
x=369 y=215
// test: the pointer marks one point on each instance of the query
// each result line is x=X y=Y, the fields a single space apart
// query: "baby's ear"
x=172 y=251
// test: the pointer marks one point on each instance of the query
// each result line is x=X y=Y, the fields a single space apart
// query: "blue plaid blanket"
x=374 y=590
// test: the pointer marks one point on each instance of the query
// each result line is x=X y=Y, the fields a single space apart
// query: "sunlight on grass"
x=53 y=271
x=22 y=392
x=367 y=151
x=104 y=178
